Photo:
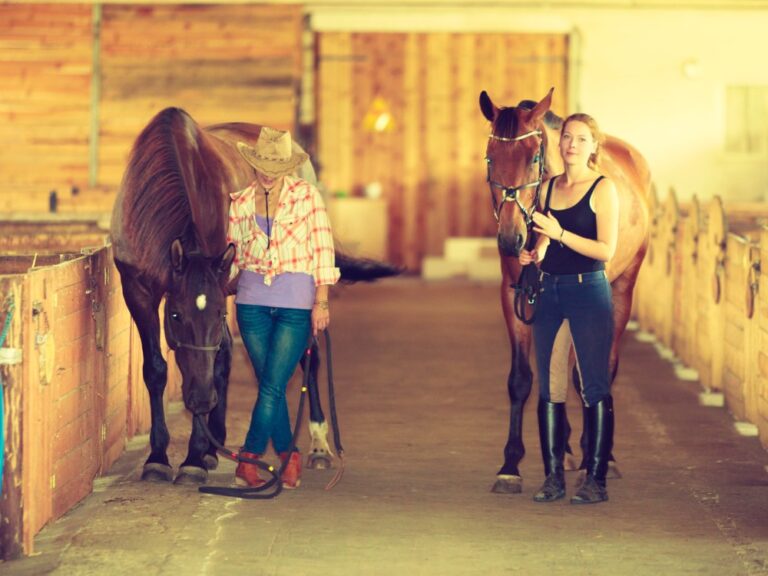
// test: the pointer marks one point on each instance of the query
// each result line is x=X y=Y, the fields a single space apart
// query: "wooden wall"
x=45 y=79
x=701 y=294
x=221 y=63
x=430 y=163
x=78 y=394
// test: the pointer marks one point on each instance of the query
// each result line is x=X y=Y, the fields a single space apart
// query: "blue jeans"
x=275 y=339
x=587 y=306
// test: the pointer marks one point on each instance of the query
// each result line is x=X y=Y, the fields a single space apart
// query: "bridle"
x=527 y=285
x=176 y=343
x=510 y=193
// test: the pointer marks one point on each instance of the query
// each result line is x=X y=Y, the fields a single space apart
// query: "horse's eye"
x=535 y=159
x=176 y=316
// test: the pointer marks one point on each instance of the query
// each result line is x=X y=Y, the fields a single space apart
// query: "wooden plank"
x=243 y=60
x=14 y=399
x=45 y=58
x=37 y=464
x=335 y=130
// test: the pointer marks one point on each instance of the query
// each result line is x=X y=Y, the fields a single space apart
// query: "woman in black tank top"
x=577 y=228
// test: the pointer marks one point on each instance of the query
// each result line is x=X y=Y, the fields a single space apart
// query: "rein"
x=528 y=285
x=260 y=492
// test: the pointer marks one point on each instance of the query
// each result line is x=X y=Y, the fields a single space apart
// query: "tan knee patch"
x=558 y=364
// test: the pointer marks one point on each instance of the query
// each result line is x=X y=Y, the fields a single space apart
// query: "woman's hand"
x=528 y=256
x=548 y=225
x=321 y=316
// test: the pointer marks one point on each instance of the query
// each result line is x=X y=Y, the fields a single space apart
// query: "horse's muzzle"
x=511 y=244
x=200 y=401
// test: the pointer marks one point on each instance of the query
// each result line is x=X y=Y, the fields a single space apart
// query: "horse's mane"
x=506 y=122
x=156 y=206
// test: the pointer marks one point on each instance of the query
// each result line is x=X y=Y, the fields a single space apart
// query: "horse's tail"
x=363 y=269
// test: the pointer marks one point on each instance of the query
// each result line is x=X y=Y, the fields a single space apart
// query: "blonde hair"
x=597 y=136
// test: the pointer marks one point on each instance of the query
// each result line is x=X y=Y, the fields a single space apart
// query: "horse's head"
x=515 y=159
x=195 y=321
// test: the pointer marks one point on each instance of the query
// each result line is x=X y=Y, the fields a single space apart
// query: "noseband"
x=176 y=343
x=510 y=193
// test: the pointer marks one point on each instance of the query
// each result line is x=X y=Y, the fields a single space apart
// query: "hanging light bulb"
x=378 y=117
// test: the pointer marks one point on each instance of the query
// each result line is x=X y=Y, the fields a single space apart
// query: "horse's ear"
x=225 y=260
x=543 y=106
x=178 y=259
x=488 y=108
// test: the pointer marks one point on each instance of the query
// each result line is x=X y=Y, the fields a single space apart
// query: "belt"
x=572 y=278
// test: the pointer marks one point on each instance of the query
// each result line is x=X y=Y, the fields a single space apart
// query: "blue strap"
x=3 y=334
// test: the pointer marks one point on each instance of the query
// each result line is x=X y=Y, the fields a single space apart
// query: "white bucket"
x=10 y=356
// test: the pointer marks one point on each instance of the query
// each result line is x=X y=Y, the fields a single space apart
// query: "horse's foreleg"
x=202 y=455
x=320 y=455
x=143 y=305
x=519 y=382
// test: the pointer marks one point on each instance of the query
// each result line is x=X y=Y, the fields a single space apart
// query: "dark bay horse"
x=169 y=227
x=522 y=151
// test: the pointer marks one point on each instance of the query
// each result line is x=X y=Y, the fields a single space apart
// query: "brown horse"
x=169 y=229
x=522 y=151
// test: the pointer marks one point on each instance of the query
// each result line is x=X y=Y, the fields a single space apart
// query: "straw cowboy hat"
x=274 y=154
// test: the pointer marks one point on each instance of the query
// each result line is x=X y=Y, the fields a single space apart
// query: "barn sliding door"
x=402 y=110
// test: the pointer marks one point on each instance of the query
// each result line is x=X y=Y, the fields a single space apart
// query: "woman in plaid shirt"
x=286 y=260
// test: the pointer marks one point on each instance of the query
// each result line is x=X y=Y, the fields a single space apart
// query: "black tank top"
x=579 y=219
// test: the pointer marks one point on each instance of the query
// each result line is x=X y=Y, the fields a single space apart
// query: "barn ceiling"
x=468 y=4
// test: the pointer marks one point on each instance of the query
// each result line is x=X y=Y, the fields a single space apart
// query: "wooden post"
x=93 y=150
x=11 y=510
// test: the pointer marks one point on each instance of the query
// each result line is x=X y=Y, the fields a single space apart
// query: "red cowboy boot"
x=291 y=475
x=247 y=474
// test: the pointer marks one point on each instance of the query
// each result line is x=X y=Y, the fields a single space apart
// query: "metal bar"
x=93 y=151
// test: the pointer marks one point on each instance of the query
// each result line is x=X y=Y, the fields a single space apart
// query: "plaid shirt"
x=301 y=234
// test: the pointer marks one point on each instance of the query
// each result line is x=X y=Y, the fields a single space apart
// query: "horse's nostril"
x=519 y=242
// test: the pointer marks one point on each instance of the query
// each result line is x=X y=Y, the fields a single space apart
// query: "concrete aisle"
x=421 y=376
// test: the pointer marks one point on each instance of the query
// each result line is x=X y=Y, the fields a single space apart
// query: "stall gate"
x=699 y=295
x=72 y=384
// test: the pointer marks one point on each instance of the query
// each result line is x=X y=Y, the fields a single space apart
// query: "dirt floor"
x=420 y=370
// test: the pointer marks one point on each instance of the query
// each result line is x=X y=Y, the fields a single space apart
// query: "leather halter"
x=176 y=343
x=510 y=193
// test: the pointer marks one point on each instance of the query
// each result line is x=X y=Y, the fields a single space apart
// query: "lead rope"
x=256 y=493
x=527 y=289
x=334 y=420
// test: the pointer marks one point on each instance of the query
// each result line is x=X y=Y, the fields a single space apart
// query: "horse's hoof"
x=613 y=471
x=318 y=462
x=570 y=463
x=191 y=475
x=508 y=484
x=210 y=461
x=154 y=472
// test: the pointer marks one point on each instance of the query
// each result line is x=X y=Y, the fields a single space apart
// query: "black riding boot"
x=599 y=446
x=552 y=438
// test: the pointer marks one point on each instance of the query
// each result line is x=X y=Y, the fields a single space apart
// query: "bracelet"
x=322 y=304
x=560 y=240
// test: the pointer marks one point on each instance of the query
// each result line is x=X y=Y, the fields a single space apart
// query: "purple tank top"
x=288 y=290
